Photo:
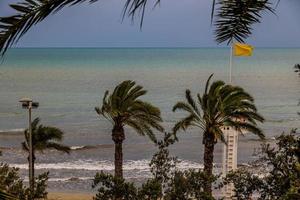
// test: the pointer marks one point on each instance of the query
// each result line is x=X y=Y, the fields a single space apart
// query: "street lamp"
x=27 y=103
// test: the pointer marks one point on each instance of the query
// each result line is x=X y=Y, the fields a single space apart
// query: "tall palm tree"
x=220 y=105
x=43 y=138
x=123 y=107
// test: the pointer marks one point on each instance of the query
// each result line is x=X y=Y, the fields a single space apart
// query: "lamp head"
x=27 y=102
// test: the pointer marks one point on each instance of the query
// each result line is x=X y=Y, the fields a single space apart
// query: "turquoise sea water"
x=69 y=83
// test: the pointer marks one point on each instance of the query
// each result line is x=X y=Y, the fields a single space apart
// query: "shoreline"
x=69 y=196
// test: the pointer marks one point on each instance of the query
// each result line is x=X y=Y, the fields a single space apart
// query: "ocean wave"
x=9 y=114
x=12 y=131
x=85 y=147
x=293 y=119
x=105 y=165
x=66 y=179
x=77 y=147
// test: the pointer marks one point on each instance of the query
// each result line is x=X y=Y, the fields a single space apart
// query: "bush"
x=281 y=179
x=167 y=183
x=112 y=187
x=11 y=183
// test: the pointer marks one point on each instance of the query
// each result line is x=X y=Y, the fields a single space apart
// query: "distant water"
x=69 y=83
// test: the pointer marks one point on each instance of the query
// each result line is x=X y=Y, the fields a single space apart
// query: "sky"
x=175 y=23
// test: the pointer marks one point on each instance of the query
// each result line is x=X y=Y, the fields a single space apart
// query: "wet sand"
x=69 y=196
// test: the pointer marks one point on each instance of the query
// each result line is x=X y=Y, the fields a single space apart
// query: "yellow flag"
x=240 y=49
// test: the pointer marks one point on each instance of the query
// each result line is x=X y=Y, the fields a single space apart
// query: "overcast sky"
x=176 y=23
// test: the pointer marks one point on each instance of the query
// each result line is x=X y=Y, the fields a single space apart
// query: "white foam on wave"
x=66 y=179
x=77 y=147
x=15 y=130
x=105 y=165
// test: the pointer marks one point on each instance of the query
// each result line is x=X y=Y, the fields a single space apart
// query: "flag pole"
x=231 y=62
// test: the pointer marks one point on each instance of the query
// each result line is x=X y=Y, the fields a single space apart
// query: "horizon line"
x=149 y=47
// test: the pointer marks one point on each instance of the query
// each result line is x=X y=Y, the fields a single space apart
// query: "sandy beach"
x=69 y=196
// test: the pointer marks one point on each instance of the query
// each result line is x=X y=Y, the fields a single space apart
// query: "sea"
x=69 y=83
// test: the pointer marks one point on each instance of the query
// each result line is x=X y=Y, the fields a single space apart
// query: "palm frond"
x=191 y=102
x=134 y=7
x=246 y=127
x=184 y=123
x=235 y=18
x=58 y=147
x=124 y=107
x=212 y=11
x=25 y=146
x=5 y=196
x=28 y=13
x=207 y=83
x=44 y=137
x=221 y=105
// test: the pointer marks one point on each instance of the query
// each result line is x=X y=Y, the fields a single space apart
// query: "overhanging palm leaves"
x=29 y=13
x=234 y=18
x=132 y=7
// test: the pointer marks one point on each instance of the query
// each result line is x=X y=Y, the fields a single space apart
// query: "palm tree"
x=43 y=138
x=221 y=105
x=123 y=107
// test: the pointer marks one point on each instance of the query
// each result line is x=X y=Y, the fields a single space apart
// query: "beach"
x=69 y=196
x=69 y=83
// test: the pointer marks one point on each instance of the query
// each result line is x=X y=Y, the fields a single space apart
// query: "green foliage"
x=297 y=69
x=41 y=186
x=167 y=182
x=11 y=183
x=176 y=184
x=188 y=185
x=31 y=12
x=112 y=187
x=124 y=107
x=235 y=18
x=162 y=165
x=151 y=190
x=28 y=13
x=133 y=7
x=220 y=105
x=282 y=179
x=284 y=176
x=44 y=137
x=6 y=196
x=246 y=184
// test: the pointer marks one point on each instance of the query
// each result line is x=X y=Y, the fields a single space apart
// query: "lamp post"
x=27 y=103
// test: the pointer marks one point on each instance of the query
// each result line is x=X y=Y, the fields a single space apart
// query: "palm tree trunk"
x=209 y=146
x=118 y=137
